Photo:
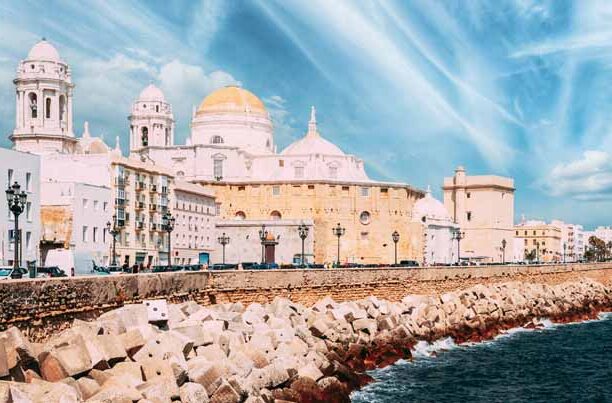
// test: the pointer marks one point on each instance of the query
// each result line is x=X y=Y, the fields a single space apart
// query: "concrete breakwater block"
x=282 y=351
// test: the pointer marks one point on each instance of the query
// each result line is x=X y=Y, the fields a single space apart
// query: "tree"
x=599 y=248
x=530 y=256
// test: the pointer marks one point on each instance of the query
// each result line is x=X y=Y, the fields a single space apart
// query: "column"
x=17 y=112
x=69 y=113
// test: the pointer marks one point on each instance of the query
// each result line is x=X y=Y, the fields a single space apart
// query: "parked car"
x=409 y=263
x=5 y=273
x=264 y=266
x=221 y=266
x=50 y=271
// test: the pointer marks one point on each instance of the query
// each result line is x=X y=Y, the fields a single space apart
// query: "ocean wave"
x=425 y=349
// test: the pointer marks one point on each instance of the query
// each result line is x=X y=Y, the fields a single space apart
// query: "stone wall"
x=40 y=306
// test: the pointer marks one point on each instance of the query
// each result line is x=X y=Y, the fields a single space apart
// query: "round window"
x=364 y=217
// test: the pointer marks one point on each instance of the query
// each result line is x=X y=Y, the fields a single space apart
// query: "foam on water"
x=425 y=349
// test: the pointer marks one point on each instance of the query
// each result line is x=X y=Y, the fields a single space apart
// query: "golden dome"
x=231 y=99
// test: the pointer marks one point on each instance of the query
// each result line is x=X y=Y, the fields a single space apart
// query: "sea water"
x=558 y=363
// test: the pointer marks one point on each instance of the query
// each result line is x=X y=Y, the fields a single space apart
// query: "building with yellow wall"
x=543 y=238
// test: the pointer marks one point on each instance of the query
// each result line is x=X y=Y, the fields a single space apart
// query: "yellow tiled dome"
x=231 y=99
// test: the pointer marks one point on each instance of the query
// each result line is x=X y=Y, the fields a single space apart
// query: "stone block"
x=65 y=360
x=311 y=371
x=192 y=392
x=268 y=377
x=207 y=374
x=129 y=372
x=112 y=348
x=194 y=332
x=17 y=348
x=4 y=363
x=156 y=368
x=225 y=393
x=212 y=353
x=162 y=390
x=157 y=310
x=132 y=341
x=87 y=387
x=116 y=393
x=318 y=327
x=368 y=326
x=203 y=315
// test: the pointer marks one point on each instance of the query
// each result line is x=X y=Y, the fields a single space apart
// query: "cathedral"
x=231 y=149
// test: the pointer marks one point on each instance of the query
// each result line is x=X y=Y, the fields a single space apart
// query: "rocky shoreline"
x=279 y=352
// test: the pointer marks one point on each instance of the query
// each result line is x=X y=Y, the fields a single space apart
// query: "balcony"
x=155 y=227
x=164 y=190
x=163 y=209
x=140 y=225
x=153 y=207
x=121 y=202
x=153 y=188
x=120 y=181
x=140 y=205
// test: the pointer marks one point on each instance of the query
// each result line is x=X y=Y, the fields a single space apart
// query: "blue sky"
x=520 y=88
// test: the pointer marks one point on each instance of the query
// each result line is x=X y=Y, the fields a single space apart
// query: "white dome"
x=152 y=94
x=430 y=208
x=43 y=50
x=312 y=145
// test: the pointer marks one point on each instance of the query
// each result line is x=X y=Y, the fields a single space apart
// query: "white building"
x=572 y=240
x=24 y=169
x=604 y=233
x=438 y=231
x=75 y=217
x=195 y=212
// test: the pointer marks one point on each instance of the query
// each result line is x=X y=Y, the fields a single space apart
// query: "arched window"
x=275 y=215
x=218 y=168
x=145 y=136
x=157 y=108
x=240 y=215
x=33 y=105
x=167 y=137
x=216 y=140
x=364 y=217
x=48 y=108
x=180 y=173
x=62 y=107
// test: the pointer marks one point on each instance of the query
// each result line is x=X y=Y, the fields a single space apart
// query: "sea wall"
x=40 y=306
x=264 y=353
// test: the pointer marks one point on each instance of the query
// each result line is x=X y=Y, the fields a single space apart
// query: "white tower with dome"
x=43 y=103
x=151 y=120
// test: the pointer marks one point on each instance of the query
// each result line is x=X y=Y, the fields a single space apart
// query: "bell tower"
x=43 y=103
x=151 y=121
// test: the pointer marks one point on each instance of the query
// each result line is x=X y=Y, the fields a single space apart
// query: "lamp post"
x=113 y=231
x=504 y=243
x=263 y=234
x=303 y=233
x=395 y=236
x=338 y=231
x=224 y=240
x=564 y=249
x=16 y=204
x=538 y=252
x=168 y=221
x=458 y=235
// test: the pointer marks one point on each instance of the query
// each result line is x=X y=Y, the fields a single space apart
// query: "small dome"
x=310 y=144
x=231 y=99
x=430 y=208
x=152 y=94
x=43 y=50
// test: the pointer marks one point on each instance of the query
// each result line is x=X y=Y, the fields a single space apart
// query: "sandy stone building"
x=483 y=207
x=544 y=239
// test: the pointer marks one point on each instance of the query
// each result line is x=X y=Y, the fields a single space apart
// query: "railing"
x=140 y=205
x=140 y=186
x=140 y=224
x=153 y=207
x=153 y=188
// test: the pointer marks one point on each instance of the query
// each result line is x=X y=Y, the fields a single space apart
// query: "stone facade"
x=543 y=238
x=483 y=207
x=369 y=213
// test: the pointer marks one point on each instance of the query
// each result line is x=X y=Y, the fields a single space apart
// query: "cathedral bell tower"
x=43 y=107
x=151 y=121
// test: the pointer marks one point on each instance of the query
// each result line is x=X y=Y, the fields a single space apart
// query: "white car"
x=5 y=272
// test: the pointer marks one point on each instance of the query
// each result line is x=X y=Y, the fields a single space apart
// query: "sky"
x=518 y=88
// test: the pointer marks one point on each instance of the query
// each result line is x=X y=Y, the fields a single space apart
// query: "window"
x=365 y=192
x=345 y=188
x=156 y=108
x=104 y=235
x=241 y=188
x=364 y=236
x=299 y=172
x=240 y=215
x=85 y=229
x=29 y=211
x=275 y=215
x=526 y=242
x=104 y=206
x=145 y=136
x=28 y=181
x=33 y=105
x=516 y=233
x=28 y=240
x=384 y=190
x=216 y=140
x=86 y=203
x=281 y=163
x=468 y=195
x=48 y=108
x=62 y=107
x=469 y=216
x=275 y=190
x=95 y=234
x=333 y=171
x=218 y=168
x=364 y=217
x=95 y=205
x=10 y=177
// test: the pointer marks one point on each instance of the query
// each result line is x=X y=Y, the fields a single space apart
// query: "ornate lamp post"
x=303 y=233
x=263 y=234
x=338 y=231
x=168 y=221
x=224 y=240
x=504 y=243
x=16 y=204
x=458 y=235
x=395 y=236
x=564 y=249
x=113 y=231
x=538 y=252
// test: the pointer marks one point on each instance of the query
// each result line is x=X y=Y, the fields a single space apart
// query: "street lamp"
x=16 y=204
x=224 y=240
x=338 y=231
x=113 y=231
x=458 y=236
x=504 y=243
x=168 y=221
x=564 y=249
x=263 y=234
x=395 y=236
x=538 y=252
x=303 y=232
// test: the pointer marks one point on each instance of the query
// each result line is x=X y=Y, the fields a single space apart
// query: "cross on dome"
x=312 y=124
